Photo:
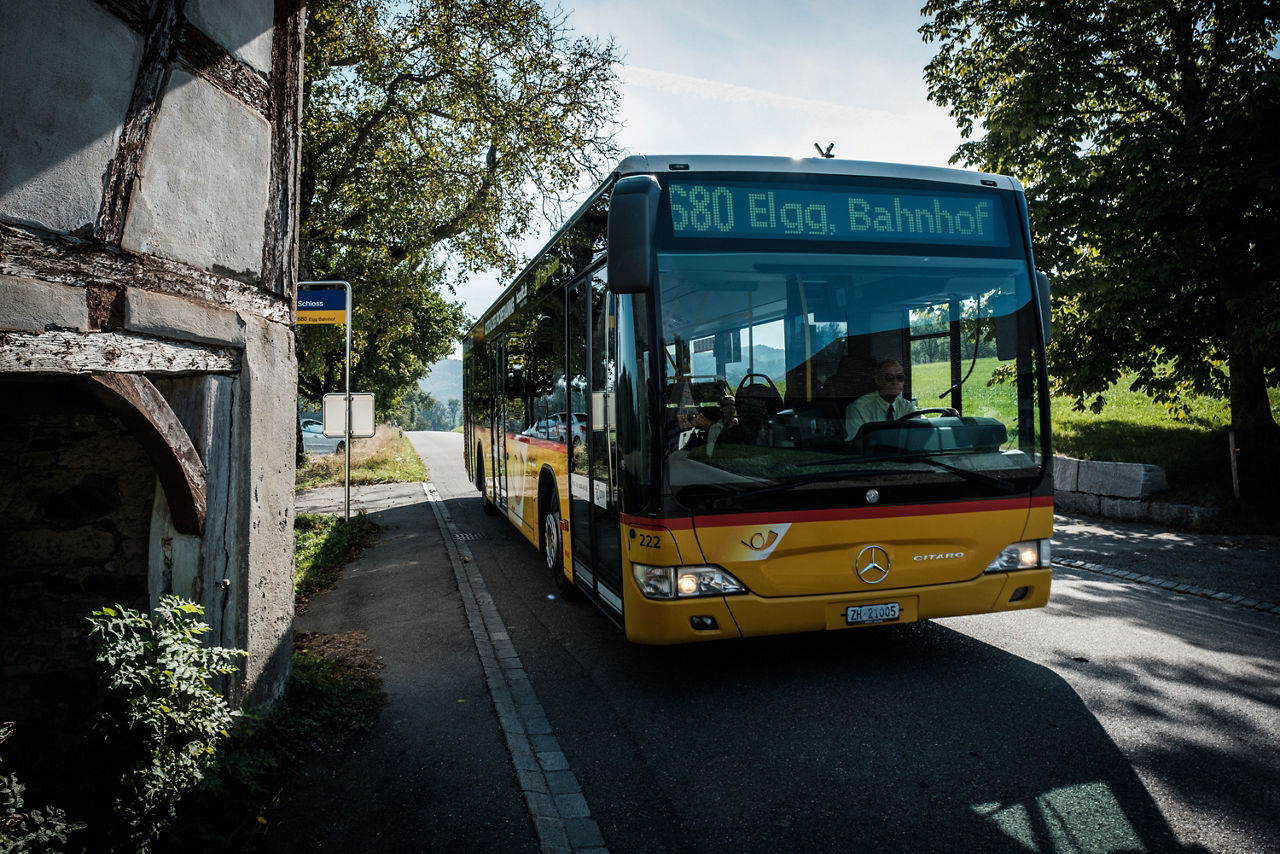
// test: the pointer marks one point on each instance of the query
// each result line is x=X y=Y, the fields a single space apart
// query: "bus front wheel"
x=553 y=549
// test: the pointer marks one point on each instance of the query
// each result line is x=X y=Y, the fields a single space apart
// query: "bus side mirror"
x=633 y=221
x=1046 y=319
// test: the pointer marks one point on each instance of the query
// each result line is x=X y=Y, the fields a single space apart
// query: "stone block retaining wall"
x=1121 y=491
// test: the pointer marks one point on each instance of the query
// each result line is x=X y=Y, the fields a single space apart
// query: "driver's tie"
x=888 y=413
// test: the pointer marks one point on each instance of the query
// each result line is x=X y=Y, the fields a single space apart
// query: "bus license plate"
x=861 y=615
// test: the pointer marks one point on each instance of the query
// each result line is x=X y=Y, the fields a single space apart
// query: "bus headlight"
x=1027 y=554
x=683 y=582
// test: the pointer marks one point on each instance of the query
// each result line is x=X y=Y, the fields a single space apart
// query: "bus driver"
x=886 y=403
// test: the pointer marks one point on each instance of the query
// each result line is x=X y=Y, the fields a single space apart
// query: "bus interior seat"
x=853 y=377
x=710 y=392
x=757 y=402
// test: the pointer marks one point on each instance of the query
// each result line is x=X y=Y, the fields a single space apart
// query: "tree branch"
x=454 y=226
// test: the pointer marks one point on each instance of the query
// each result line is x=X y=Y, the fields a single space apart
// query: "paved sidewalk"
x=434 y=772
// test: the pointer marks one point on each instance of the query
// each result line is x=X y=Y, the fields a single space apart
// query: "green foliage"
x=162 y=718
x=23 y=830
x=421 y=411
x=1154 y=194
x=323 y=545
x=328 y=696
x=430 y=132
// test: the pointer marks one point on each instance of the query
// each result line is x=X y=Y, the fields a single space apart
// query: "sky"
x=772 y=78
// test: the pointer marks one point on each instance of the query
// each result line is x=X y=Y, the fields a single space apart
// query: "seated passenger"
x=727 y=430
x=886 y=403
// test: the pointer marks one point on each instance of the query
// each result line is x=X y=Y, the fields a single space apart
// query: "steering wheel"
x=935 y=410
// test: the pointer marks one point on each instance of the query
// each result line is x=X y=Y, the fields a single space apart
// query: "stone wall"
x=148 y=255
x=76 y=489
x=1123 y=491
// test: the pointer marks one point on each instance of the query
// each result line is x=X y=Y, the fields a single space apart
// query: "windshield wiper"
x=967 y=474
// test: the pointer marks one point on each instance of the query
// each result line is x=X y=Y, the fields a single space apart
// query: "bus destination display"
x=779 y=211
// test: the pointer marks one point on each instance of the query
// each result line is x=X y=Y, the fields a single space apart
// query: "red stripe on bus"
x=843 y=514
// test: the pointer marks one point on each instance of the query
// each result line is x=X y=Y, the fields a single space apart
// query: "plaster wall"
x=31 y=305
x=166 y=316
x=268 y=413
x=65 y=99
x=243 y=27
x=203 y=194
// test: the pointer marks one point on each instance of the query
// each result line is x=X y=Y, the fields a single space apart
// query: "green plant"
x=162 y=715
x=33 y=830
x=334 y=689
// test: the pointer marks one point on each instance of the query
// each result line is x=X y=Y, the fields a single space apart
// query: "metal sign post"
x=321 y=310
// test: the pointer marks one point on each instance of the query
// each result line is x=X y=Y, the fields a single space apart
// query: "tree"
x=413 y=410
x=432 y=130
x=1144 y=132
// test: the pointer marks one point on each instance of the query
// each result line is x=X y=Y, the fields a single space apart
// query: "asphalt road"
x=1122 y=717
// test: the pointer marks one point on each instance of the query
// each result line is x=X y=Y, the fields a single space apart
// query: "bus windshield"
x=792 y=377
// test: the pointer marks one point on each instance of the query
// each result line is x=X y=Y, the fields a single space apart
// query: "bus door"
x=498 y=444
x=593 y=514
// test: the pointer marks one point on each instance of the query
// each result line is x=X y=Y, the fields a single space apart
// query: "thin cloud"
x=685 y=86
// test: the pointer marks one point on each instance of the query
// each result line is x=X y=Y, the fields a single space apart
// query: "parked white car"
x=314 y=440
x=556 y=427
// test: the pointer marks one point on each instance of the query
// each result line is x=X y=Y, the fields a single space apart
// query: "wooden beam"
x=137 y=403
x=61 y=352
x=211 y=61
x=280 y=248
x=159 y=35
x=29 y=253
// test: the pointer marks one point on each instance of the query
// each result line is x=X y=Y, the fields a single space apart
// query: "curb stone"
x=1172 y=586
x=552 y=794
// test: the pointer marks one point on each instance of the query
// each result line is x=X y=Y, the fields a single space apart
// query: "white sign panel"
x=334 y=415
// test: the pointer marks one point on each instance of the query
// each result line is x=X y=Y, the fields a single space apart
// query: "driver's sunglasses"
x=894 y=378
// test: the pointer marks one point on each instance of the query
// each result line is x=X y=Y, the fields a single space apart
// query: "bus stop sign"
x=334 y=415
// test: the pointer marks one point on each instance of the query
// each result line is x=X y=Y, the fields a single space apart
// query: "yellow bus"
x=740 y=396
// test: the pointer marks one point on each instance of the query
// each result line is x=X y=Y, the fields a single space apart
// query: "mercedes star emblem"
x=872 y=564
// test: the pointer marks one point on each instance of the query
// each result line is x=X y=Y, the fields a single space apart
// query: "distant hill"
x=444 y=381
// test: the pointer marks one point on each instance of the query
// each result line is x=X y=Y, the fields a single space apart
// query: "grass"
x=323 y=545
x=1194 y=451
x=386 y=458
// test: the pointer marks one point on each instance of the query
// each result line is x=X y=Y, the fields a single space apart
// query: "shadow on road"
x=914 y=737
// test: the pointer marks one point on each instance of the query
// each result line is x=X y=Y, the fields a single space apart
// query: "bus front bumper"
x=692 y=620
